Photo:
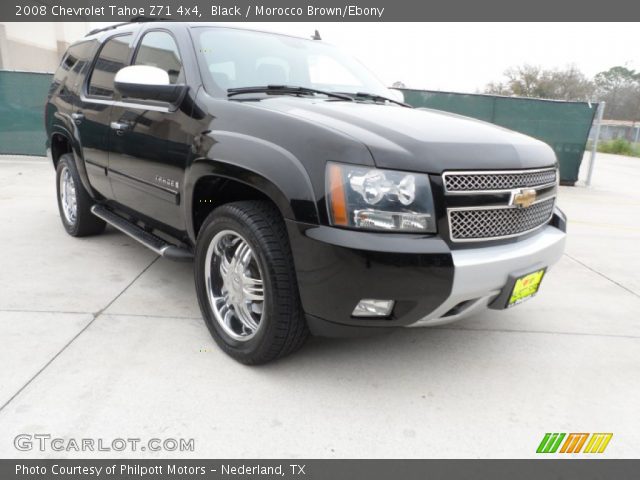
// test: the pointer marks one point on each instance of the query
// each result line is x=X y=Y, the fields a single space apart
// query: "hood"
x=420 y=140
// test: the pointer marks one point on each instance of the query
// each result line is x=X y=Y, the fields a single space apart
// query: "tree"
x=533 y=81
x=620 y=88
x=571 y=84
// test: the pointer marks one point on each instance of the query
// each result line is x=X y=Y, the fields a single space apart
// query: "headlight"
x=374 y=199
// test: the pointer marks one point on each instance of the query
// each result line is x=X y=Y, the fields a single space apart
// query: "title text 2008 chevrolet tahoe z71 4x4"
x=309 y=200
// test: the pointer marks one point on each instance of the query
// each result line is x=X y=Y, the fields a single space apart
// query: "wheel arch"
x=248 y=168
x=221 y=184
x=61 y=142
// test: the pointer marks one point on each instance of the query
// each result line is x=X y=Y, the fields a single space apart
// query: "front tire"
x=246 y=284
x=74 y=202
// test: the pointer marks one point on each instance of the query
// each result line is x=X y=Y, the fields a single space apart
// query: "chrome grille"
x=465 y=182
x=468 y=224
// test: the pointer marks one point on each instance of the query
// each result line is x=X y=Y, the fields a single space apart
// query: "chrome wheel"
x=234 y=285
x=68 y=198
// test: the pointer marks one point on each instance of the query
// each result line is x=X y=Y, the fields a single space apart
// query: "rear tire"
x=74 y=202
x=246 y=283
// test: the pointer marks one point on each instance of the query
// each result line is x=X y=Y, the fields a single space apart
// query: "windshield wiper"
x=379 y=98
x=286 y=90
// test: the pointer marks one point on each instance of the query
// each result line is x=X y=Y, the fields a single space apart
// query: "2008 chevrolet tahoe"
x=309 y=198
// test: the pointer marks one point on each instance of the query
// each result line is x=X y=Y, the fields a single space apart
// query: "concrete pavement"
x=101 y=339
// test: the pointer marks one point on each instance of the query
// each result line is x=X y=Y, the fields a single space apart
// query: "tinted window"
x=158 y=49
x=112 y=58
x=77 y=57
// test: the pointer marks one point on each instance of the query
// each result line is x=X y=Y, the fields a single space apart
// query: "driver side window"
x=159 y=49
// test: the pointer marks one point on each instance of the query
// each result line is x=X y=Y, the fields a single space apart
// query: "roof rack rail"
x=133 y=20
x=104 y=29
x=148 y=19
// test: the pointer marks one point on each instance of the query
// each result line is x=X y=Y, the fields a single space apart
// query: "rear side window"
x=112 y=57
x=73 y=63
x=76 y=56
x=159 y=49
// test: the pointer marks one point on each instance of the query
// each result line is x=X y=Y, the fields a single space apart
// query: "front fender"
x=260 y=164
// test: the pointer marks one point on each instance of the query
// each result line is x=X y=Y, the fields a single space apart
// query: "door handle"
x=119 y=127
x=77 y=117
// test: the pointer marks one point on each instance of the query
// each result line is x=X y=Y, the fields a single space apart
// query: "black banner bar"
x=581 y=469
x=318 y=10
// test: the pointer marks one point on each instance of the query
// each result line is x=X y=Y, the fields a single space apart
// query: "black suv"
x=310 y=198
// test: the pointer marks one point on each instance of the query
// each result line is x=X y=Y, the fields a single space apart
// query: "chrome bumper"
x=481 y=273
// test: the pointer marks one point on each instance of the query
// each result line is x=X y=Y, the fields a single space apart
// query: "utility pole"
x=596 y=137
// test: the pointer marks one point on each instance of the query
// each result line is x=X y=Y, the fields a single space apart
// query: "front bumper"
x=481 y=273
x=430 y=283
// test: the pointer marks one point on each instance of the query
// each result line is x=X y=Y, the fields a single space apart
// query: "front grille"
x=483 y=181
x=487 y=223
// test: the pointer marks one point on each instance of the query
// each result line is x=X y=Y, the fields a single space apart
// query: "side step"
x=149 y=240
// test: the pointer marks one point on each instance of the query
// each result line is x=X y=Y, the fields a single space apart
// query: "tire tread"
x=290 y=330
x=86 y=222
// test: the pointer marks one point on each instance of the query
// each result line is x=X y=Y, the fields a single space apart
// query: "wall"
x=37 y=46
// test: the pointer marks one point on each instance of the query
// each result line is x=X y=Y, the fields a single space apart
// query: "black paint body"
x=278 y=147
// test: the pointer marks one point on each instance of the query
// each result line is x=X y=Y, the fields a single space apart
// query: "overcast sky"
x=464 y=57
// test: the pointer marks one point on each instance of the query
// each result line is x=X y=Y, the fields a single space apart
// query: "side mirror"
x=144 y=82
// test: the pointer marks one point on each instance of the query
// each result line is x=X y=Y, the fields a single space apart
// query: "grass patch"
x=620 y=146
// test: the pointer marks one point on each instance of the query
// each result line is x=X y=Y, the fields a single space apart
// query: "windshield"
x=233 y=58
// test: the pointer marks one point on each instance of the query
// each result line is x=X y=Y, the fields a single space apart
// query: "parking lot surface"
x=101 y=339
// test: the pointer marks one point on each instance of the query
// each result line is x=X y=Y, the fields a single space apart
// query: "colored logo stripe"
x=574 y=442
x=598 y=442
x=550 y=443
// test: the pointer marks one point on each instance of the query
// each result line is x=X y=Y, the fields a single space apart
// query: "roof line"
x=133 y=20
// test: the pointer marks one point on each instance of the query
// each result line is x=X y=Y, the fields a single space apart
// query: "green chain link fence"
x=563 y=125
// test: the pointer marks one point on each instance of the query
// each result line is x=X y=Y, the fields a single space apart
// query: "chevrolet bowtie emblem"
x=523 y=198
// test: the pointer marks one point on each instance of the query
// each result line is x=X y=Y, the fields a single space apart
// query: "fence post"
x=596 y=137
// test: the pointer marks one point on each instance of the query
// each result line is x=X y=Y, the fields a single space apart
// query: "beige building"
x=37 y=46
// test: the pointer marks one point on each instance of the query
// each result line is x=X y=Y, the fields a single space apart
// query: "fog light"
x=368 y=307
